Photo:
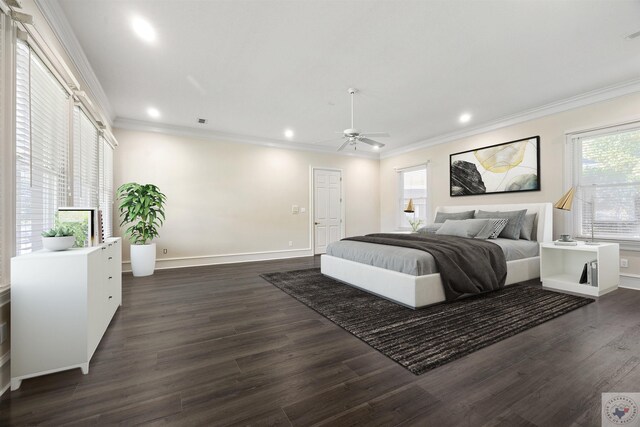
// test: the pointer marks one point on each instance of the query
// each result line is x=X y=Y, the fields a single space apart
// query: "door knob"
x=316 y=223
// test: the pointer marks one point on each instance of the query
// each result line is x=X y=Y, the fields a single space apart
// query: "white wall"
x=552 y=141
x=229 y=198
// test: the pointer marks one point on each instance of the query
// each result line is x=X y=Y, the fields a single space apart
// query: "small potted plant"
x=415 y=224
x=142 y=208
x=59 y=238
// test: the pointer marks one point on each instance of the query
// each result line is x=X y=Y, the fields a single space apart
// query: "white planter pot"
x=143 y=259
x=58 y=243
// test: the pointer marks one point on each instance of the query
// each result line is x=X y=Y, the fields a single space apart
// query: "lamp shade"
x=566 y=201
x=409 y=208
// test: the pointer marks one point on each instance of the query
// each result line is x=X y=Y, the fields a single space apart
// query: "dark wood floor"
x=220 y=346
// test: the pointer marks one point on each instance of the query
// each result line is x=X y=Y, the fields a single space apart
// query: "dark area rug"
x=423 y=339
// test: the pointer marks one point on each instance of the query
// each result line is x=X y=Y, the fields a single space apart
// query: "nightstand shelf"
x=561 y=267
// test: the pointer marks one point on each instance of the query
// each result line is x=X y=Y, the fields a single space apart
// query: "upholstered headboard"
x=544 y=219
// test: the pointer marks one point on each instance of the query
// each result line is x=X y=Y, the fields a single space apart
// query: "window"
x=42 y=142
x=606 y=173
x=85 y=160
x=412 y=185
x=5 y=135
x=106 y=186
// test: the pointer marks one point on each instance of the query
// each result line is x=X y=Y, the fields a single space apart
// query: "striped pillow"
x=493 y=228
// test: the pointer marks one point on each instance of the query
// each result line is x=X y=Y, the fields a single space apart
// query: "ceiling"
x=255 y=68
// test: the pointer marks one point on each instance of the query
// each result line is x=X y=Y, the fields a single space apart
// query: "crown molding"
x=60 y=26
x=209 y=135
x=588 y=98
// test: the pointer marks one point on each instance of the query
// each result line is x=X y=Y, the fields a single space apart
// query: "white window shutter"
x=106 y=187
x=42 y=141
x=85 y=161
x=607 y=178
x=412 y=185
x=3 y=112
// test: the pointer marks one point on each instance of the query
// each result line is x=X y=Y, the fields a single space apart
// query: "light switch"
x=295 y=209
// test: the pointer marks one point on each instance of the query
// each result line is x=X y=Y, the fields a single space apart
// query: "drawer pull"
x=110 y=296
x=110 y=277
x=103 y=248
x=110 y=257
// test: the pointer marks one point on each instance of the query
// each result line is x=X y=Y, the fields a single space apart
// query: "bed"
x=422 y=286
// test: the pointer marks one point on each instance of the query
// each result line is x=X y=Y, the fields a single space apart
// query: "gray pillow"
x=526 y=232
x=516 y=218
x=492 y=229
x=443 y=216
x=462 y=227
x=430 y=228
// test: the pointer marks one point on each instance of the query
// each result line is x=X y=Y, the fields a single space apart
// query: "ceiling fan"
x=352 y=135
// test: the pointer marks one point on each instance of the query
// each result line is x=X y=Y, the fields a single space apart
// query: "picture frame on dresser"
x=84 y=222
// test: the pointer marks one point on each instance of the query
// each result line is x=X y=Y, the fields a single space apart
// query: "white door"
x=327 y=205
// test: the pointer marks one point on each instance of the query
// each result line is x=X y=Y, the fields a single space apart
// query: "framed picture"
x=509 y=167
x=83 y=223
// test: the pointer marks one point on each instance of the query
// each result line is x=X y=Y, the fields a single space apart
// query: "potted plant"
x=142 y=207
x=59 y=238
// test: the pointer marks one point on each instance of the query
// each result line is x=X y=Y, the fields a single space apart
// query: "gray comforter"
x=467 y=266
x=415 y=262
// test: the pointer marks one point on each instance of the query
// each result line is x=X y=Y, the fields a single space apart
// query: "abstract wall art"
x=502 y=168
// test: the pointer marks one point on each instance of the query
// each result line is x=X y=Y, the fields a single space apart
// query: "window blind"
x=413 y=185
x=3 y=112
x=106 y=186
x=85 y=160
x=42 y=141
x=607 y=178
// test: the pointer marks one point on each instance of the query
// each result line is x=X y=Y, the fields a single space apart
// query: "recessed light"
x=153 y=112
x=143 y=29
x=376 y=147
x=464 y=118
x=288 y=133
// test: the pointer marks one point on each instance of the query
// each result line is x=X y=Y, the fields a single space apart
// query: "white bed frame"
x=419 y=291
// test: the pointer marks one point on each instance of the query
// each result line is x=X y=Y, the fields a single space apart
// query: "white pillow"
x=430 y=228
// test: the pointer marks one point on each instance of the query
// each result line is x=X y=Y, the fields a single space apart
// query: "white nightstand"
x=561 y=267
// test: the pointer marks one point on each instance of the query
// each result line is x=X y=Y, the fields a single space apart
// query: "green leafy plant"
x=58 y=231
x=415 y=224
x=141 y=206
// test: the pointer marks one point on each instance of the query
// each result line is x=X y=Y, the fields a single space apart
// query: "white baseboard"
x=195 y=261
x=630 y=281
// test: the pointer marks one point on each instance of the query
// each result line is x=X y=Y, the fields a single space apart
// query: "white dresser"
x=61 y=305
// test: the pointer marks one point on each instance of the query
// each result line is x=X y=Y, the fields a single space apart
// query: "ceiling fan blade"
x=371 y=142
x=344 y=145
x=376 y=134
